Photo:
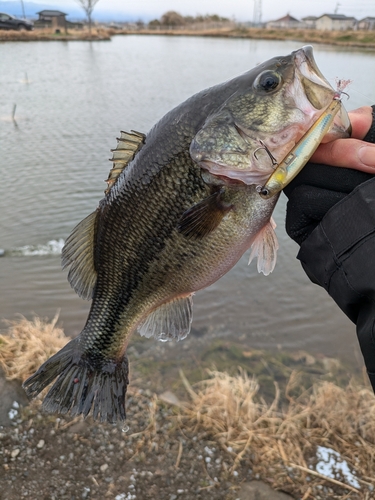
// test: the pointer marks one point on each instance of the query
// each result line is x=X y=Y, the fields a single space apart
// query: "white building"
x=335 y=22
x=309 y=21
x=368 y=23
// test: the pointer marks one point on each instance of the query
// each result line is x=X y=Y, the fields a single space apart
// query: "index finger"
x=353 y=152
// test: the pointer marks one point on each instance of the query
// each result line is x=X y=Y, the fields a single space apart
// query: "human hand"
x=318 y=187
x=352 y=153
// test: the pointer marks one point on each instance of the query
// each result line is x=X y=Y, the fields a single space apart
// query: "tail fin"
x=82 y=385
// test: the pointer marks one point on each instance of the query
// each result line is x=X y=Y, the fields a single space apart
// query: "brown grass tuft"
x=278 y=439
x=27 y=344
x=48 y=34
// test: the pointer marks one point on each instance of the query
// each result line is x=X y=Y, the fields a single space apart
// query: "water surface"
x=72 y=99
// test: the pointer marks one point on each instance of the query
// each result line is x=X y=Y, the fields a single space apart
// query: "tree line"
x=172 y=18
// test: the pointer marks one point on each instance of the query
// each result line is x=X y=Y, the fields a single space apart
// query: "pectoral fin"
x=170 y=321
x=265 y=246
x=204 y=217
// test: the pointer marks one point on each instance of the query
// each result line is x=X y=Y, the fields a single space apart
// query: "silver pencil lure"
x=297 y=158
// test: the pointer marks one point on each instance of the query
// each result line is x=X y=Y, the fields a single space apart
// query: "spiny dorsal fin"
x=128 y=145
x=78 y=253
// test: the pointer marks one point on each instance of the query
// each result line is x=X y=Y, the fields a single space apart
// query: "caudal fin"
x=83 y=385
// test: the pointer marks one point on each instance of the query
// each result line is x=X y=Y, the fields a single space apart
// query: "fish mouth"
x=307 y=67
x=315 y=87
x=232 y=176
x=318 y=92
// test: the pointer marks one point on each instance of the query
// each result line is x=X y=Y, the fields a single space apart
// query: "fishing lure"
x=297 y=158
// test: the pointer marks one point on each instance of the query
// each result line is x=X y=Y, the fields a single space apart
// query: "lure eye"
x=267 y=81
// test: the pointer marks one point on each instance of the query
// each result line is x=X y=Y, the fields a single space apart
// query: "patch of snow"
x=331 y=463
x=12 y=413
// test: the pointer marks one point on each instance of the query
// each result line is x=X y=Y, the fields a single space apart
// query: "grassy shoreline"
x=349 y=39
x=212 y=433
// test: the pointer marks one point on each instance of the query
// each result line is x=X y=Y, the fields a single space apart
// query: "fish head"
x=270 y=109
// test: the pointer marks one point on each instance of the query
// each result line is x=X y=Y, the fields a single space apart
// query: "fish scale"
x=180 y=210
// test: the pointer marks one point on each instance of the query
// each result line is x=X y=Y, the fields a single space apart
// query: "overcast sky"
x=241 y=10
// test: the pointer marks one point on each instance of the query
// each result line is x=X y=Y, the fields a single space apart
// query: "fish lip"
x=231 y=175
x=307 y=67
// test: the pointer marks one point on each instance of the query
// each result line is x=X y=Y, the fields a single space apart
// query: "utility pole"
x=337 y=8
x=257 y=17
x=23 y=9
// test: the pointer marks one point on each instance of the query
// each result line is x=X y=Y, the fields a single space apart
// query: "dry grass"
x=27 y=344
x=280 y=443
x=277 y=440
x=360 y=39
x=48 y=34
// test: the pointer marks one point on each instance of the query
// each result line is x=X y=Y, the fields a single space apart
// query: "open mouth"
x=233 y=175
x=317 y=89
x=307 y=66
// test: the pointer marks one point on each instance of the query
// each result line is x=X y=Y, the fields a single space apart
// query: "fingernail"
x=367 y=155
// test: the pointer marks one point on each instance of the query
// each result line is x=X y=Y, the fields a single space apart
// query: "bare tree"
x=88 y=7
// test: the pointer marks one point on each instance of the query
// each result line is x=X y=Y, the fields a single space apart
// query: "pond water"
x=72 y=99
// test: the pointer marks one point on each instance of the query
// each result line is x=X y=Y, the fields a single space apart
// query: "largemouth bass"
x=178 y=216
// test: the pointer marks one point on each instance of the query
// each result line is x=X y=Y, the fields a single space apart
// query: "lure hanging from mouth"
x=297 y=158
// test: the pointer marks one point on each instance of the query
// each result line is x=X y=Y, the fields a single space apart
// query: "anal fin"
x=170 y=321
x=265 y=246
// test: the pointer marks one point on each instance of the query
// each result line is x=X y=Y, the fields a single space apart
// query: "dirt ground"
x=159 y=452
x=55 y=458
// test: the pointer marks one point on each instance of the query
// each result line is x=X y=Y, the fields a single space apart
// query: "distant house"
x=309 y=21
x=336 y=22
x=368 y=23
x=56 y=20
x=285 y=22
x=51 y=19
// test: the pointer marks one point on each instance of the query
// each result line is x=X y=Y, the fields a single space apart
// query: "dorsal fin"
x=78 y=253
x=128 y=145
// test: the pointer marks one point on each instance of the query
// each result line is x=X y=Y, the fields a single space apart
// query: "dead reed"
x=360 y=38
x=49 y=34
x=280 y=442
x=277 y=440
x=27 y=344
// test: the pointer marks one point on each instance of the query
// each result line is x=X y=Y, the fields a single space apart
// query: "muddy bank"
x=358 y=39
x=49 y=35
x=354 y=39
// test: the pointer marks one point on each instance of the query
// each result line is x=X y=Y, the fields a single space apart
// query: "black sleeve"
x=339 y=255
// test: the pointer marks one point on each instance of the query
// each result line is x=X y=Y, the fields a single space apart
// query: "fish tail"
x=83 y=384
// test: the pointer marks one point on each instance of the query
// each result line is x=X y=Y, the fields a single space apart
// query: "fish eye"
x=267 y=81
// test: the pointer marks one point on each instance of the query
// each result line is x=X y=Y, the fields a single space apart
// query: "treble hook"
x=341 y=84
x=263 y=146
